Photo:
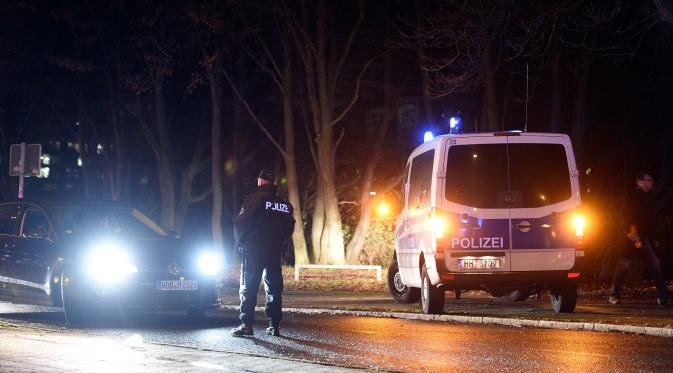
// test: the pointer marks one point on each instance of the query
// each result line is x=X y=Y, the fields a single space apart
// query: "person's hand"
x=635 y=239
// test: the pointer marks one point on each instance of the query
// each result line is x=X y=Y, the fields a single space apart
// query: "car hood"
x=145 y=253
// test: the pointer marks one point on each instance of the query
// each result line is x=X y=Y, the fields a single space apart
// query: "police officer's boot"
x=242 y=330
x=273 y=330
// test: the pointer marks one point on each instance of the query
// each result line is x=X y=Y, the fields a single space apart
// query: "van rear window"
x=507 y=175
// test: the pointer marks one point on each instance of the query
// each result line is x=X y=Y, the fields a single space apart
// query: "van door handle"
x=522 y=226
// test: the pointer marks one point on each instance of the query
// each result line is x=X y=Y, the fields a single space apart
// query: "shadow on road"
x=114 y=320
x=48 y=317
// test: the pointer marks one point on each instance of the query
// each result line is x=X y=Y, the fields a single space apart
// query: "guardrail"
x=336 y=266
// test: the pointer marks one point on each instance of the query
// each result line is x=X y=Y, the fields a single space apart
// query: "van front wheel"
x=564 y=298
x=400 y=292
x=432 y=297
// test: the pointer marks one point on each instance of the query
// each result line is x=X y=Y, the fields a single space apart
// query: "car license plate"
x=466 y=264
x=177 y=285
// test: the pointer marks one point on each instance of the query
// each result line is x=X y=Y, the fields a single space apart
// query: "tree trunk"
x=216 y=148
x=194 y=168
x=557 y=92
x=167 y=191
x=318 y=221
x=164 y=162
x=119 y=165
x=298 y=239
x=184 y=200
x=427 y=116
x=87 y=154
x=490 y=96
x=360 y=234
x=331 y=243
x=580 y=125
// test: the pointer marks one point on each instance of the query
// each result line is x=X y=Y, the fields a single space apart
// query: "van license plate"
x=464 y=264
x=177 y=285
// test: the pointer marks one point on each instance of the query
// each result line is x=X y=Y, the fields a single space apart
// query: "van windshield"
x=477 y=175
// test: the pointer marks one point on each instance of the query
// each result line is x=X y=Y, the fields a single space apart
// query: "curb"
x=484 y=320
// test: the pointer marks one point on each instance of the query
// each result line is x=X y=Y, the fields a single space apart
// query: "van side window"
x=9 y=218
x=420 y=178
x=404 y=183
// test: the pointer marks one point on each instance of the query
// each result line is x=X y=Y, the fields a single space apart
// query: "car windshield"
x=477 y=175
x=99 y=219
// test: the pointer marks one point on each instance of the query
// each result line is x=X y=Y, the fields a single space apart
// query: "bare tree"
x=159 y=49
x=323 y=60
x=599 y=30
x=387 y=115
x=465 y=44
x=257 y=41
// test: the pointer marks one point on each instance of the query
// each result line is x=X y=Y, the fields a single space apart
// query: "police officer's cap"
x=267 y=174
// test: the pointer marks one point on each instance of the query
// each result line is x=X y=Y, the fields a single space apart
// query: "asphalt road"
x=389 y=344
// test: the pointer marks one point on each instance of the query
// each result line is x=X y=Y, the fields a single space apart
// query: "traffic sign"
x=24 y=161
x=31 y=159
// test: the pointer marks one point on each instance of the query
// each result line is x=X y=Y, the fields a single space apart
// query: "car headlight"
x=109 y=263
x=209 y=263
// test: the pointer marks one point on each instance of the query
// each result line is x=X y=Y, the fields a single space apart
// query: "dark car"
x=90 y=257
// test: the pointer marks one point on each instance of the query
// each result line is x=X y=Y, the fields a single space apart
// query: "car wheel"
x=432 y=297
x=518 y=295
x=75 y=307
x=399 y=291
x=564 y=298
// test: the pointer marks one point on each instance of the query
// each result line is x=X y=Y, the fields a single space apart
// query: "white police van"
x=493 y=211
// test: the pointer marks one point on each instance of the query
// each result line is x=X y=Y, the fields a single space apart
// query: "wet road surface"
x=388 y=344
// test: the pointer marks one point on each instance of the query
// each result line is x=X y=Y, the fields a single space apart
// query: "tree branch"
x=202 y=196
x=349 y=44
x=252 y=114
x=356 y=94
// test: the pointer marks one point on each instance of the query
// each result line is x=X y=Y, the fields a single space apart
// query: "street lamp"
x=383 y=209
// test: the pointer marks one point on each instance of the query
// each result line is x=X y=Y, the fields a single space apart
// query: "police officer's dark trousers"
x=252 y=272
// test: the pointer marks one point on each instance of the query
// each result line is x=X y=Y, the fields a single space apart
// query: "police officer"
x=263 y=225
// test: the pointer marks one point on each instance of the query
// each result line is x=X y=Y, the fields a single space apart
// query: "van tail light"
x=573 y=275
x=440 y=227
x=579 y=223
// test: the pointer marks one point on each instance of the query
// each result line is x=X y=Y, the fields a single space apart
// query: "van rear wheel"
x=564 y=298
x=432 y=297
x=398 y=290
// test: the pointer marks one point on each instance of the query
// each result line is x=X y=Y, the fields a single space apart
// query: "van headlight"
x=109 y=263
x=209 y=263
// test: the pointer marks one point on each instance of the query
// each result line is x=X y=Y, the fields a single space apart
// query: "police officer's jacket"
x=264 y=223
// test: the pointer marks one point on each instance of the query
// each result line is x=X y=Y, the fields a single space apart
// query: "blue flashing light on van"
x=428 y=136
x=455 y=125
